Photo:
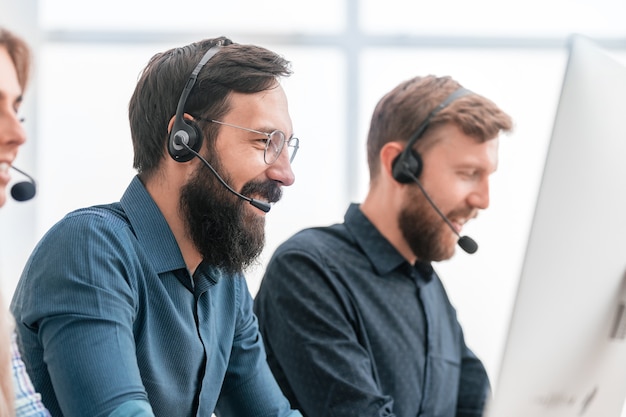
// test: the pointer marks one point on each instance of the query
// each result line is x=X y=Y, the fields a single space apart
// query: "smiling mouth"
x=455 y=222
x=4 y=173
x=460 y=221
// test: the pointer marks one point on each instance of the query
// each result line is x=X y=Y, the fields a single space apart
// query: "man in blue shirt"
x=140 y=308
x=355 y=320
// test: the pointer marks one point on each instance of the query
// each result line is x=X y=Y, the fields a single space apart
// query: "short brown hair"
x=235 y=67
x=400 y=112
x=20 y=54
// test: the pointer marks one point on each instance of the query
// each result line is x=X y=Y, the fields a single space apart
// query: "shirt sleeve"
x=474 y=387
x=77 y=297
x=132 y=409
x=250 y=389
x=309 y=325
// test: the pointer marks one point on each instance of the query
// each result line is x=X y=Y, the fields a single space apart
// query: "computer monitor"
x=565 y=352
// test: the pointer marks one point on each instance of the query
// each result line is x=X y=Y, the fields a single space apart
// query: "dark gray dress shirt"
x=352 y=329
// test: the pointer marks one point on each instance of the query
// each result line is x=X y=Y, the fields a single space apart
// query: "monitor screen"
x=565 y=353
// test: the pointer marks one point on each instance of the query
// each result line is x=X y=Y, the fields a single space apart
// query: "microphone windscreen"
x=468 y=244
x=261 y=205
x=23 y=191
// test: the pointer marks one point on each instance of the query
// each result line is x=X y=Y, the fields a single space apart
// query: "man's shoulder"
x=321 y=237
x=112 y=211
x=79 y=226
x=98 y=216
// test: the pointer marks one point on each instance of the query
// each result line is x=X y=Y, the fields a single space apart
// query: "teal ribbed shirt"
x=110 y=321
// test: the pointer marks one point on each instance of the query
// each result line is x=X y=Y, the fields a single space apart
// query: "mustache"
x=269 y=190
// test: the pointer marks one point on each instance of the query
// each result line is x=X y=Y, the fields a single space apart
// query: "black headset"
x=186 y=131
x=408 y=164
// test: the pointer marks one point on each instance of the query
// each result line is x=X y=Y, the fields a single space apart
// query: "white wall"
x=81 y=153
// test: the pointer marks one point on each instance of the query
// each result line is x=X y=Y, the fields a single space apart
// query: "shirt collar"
x=381 y=253
x=152 y=230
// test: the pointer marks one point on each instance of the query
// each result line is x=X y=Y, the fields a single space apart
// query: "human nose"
x=479 y=197
x=11 y=129
x=280 y=170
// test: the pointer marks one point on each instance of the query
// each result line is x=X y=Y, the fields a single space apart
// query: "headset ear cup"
x=195 y=139
x=406 y=166
x=188 y=132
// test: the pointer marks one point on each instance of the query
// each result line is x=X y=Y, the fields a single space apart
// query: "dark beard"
x=425 y=232
x=225 y=232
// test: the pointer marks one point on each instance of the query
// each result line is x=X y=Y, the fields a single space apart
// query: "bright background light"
x=346 y=54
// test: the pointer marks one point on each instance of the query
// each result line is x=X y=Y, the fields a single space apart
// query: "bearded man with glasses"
x=140 y=307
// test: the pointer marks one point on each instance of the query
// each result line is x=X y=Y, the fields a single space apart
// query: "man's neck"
x=166 y=195
x=383 y=214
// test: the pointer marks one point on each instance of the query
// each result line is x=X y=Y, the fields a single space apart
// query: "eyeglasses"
x=274 y=145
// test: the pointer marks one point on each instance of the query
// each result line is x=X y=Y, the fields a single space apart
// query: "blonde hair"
x=20 y=54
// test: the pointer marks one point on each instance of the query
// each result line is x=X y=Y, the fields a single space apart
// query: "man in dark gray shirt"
x=355 y=320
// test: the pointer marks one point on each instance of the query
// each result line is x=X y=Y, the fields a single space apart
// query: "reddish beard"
x=426 y=233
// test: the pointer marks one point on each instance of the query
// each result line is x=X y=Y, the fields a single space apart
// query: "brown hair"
x=235 y=67
x=400 y=112
x=20 y=55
